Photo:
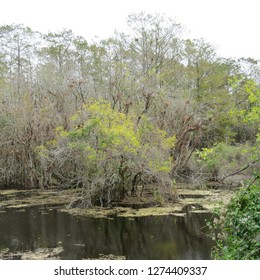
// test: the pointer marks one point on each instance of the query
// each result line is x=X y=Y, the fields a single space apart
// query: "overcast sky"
x=231 y=25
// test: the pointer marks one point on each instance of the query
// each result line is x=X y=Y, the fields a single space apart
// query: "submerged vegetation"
x=190 y=198
x=117 y=116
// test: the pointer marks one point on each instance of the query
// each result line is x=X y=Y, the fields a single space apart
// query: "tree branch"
x=240 y=170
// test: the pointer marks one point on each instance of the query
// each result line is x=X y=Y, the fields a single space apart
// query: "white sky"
x=231 y=25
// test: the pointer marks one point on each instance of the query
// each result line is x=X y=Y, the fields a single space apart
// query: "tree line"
x=139 y=108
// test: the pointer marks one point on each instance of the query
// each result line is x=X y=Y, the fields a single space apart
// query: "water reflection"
x=165 y=237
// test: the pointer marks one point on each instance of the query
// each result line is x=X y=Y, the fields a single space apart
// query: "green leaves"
x=240 y=226
x=223 y=159
x=251 y=111
x=108 y=146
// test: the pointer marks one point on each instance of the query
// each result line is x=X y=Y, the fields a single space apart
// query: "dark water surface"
x=163 y=237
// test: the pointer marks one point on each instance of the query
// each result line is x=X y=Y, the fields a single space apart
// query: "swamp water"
x=154 y=237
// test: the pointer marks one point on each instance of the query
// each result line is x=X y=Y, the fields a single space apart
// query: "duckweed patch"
x=38 y=254
x=205 y=199
x=22 y=199
x=108 y=257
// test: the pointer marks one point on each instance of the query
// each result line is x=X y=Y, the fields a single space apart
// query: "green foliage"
x=111 y=152
x=251 y=111
x=158 y=85
x=106 y=133
x=239 y=226
x=246 y=111
x=223 y=159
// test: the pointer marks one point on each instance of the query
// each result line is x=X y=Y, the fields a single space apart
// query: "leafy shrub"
x=108 y=153
x=239 y=226
x=222 y=159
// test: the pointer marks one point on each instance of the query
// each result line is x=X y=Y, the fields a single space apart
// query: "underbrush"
x=223 y=160
x=239 y=226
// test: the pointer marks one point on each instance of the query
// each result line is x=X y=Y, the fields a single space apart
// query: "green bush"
x=222 y=159
x=107 y=153
x=239 y=226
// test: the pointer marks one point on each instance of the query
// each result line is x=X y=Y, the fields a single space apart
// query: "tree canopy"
x=143 y=107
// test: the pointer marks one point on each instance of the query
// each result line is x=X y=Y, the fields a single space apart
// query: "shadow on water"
x=162 y=237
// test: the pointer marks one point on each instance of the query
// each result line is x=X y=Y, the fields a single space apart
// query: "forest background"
x=143 y=107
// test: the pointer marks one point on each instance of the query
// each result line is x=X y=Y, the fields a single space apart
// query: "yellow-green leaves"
x=102 y=138
x=41 y=151
x=251 y=111
x=108 y=153
x=205 y=153
x=112 y=130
